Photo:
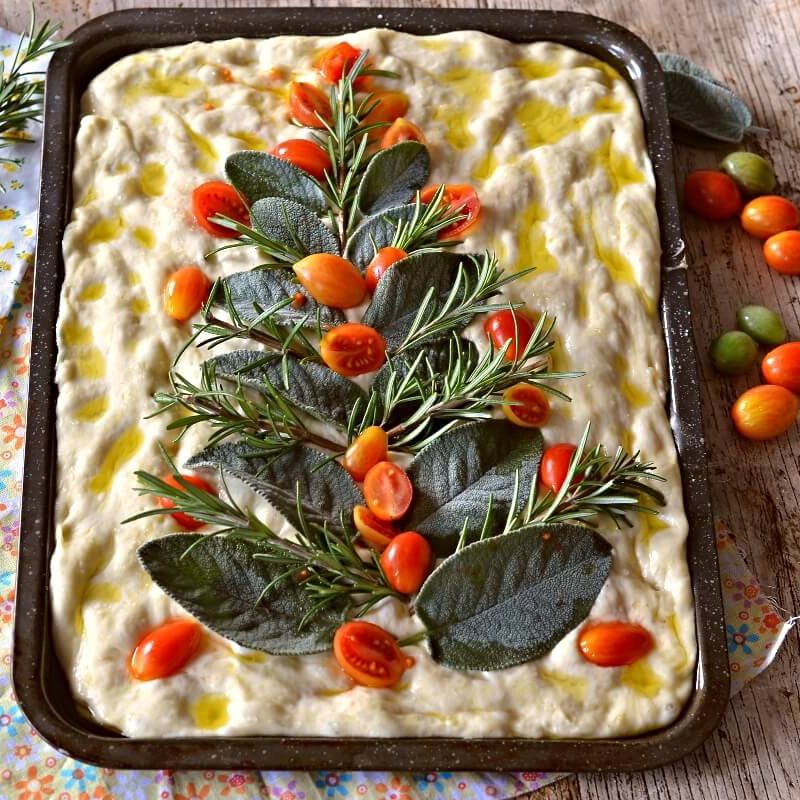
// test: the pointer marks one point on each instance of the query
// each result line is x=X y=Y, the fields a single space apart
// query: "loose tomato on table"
x=460 y=198
x=309 y=105
x=338 y=60
x=711 y=195
x=769 y=215
x=370 y=655
x=375 y=532
x=185 y=291
x=401 y=130
x=165 y=650
x=406 y=562
x=509 y=326
x=331 y=280
x=306 y=155
x=184 y=520
x=782 y=252
x=383 y=260
x=531 y=407
x=764 y=412
x=217 y=198
x=365 y=451
x=555 y=465
x=614 y=644
x=781 y=366
x=388 y=491
x=353 y=349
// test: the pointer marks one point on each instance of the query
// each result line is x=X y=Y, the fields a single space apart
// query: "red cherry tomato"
x=764 y=412
x=385 y=107
x=184 y=520
x=366 y=450
x=337 y=61
x=781 y=366
x=460 y=198
x=769 y=215
x=782 y=252
x=401 y=130
x=218 y=198
x=165 y=650
x=308 y=105
x=509 y=326
x=385 y=258
x=308 y=156
x=555 y=465
x=531 y=407
x=388 y=491
x=406 y=562
x=369 y=655
x=331 y=280
x=376 y=533
x=614 y=644
x=711 y=195
x=353 y=349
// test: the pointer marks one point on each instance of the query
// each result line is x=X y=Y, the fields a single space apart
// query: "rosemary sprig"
x=284 y=253
x=418 y=235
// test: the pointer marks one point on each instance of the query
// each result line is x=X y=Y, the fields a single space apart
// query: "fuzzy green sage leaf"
x=393 y=176
x=291 y=223
x=376 y=232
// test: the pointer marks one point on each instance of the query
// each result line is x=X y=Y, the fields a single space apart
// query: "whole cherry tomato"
x=531 y=407
x=306 y=155
x=365 y=451
x=782 y=252
x=781 y=366
x=555 y=465
x=388 y=491
x=769 y=214
x=406 y=562
x=165 y=650
x=309 y=105
x=385 y=258
x=509 y=326
x=711 y=195
x=184 y=520
x=614 y=644
x=331 y=280
x=385 y=108
x=185 y=292
x=217 y=198
x=764 y=412
x=460 y=198
x=369 y=655
x=337 y=61
x=353 y=349
x=375 y=532
x=401 y=130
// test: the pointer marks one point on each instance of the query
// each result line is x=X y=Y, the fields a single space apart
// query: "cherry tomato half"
x=555 y=465
x=308 y=105
x=185 y=292
x=531 y=407
x=511 y=326
x=781 y=366
x=401 y=130
x=764 y=411
x=388 y=491
x=353 y=349
x=460 y=198
x=337 y=61
x=406 y=562
x=782 y=252
x=365 y=451
x=331 y=280
x=768 y=215
x=165 y=650
x=711 y=195
x=218 y=198
x=184 y=520
x=385 y=258
x=306 y=155
x=614 y=644
x=369 y=655
x=385 y=108
x=374 y=532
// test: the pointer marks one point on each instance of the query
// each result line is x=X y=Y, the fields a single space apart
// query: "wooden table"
x=752 y=46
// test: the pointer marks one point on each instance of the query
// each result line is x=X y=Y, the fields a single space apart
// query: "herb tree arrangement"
x=431 y=484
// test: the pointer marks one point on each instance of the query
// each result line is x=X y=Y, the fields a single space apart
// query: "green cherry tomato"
x=752 y=173
x=733 y=353
x=762 y=324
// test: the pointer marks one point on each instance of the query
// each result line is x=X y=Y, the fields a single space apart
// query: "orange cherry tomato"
x=388 y=491
x=781 y=366
x=218 y=198
x=385 y=258
x=184 y=520
x=782 y=252
x=374 y=532
x=555 y=465
x=401 y=130
x=308 y=156
x=366 y=450
x=764 y=411
x=614 y=644
x=308 y=105
x=185 y=292
x=331 y=280
x=509 y=326
x=531 y=407
x=406 y=562
x=386 y=107
x=711 y=195
x=768 y=215
x=165 y=650
x=370 y=655
x=337 y=61
x=460 y=198
x=352 y=349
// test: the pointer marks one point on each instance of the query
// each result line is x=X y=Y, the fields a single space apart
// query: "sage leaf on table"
x=393 y=176
x=698 y=101
x=292 y=224
x=455 y=476
x=256 y=175
x=306 y=385
x=322 y=487
x=376 y=232
x=509 y=599
x=217 y=580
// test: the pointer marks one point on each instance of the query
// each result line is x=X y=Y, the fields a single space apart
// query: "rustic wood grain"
x=751 y=45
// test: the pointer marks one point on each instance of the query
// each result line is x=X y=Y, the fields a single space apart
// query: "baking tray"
x=40 y=684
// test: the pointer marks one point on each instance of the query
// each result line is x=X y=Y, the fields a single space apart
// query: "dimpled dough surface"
x=553 y=141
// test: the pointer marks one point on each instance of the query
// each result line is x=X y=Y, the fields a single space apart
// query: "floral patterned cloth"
x=31 y=770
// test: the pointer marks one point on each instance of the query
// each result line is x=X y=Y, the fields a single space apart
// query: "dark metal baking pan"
x=39 y=681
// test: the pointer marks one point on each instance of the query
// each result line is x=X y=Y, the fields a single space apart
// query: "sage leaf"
x=698 y=101
x=308 y=386
x=393 y=176
x=293 y=225
x=509 y=599
x=217 y=580
x=375 y=232
x=456 y=474
x=256 y=175
x=325 y=489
